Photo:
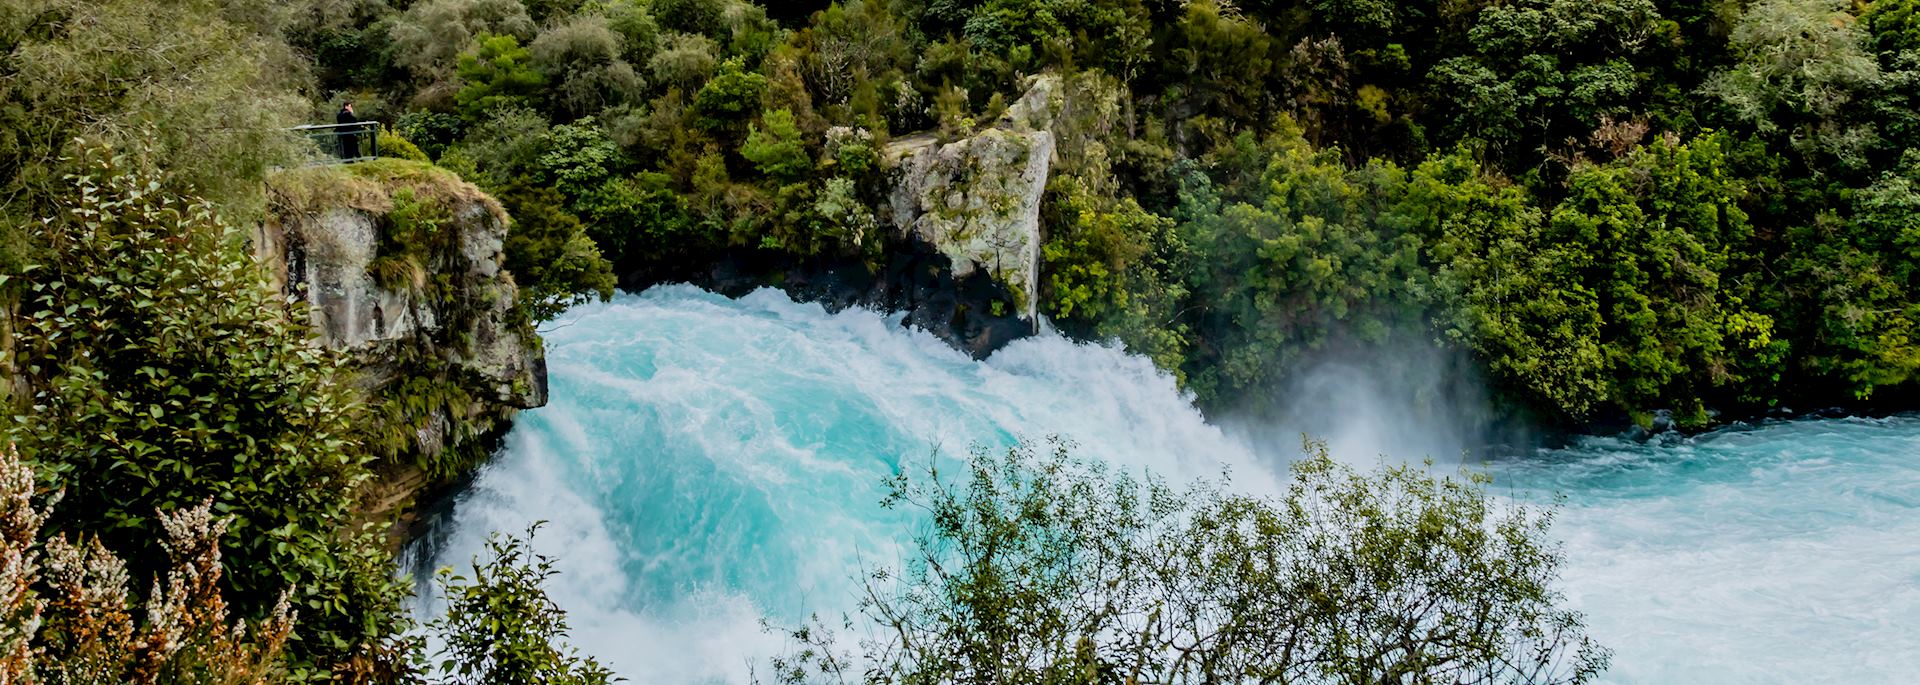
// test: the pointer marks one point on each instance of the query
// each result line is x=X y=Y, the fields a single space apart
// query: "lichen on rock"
x=977 y=200
x=1043 y=102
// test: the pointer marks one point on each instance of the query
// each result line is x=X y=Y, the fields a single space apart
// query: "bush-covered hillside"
x=1611 y=206
x=1615 y=206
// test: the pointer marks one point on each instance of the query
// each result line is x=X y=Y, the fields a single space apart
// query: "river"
x=705 y=462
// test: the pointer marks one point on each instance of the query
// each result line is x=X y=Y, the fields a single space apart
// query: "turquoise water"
x=1785 y=553
x=705 y=462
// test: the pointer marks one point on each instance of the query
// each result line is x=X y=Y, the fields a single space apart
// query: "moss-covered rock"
x=401 y=264
x=977 y=200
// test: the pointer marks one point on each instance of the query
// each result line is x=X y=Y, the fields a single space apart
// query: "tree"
x=549 y=254
x=1309 y=256
x=1220 y=61
x=1801 y=56
x=506 y=146
x=586 y=58
x=777 y=149
x=1894 y=109
x=1856 y=280
x=497 y=73
x=846 y=218
x=1894 y=25
x=727 y=100
x=217 y=88
x=1540 y=72
x=1034 y=34
x=1109 y=270
x=685 y=61
x=699 y=17
x=1654 y=232
x=1090 y=253
x=848 y=40
x=579 y=157
x=1799 y=63
x=1504 y=289
x=431 y=35
x=639 y=31
x=1040 y=567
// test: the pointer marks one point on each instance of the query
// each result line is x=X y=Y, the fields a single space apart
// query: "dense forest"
x=1613 y=207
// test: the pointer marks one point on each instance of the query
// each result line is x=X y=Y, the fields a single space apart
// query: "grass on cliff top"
x=370 y=187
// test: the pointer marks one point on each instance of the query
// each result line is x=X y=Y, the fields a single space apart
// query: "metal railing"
x=344 y=143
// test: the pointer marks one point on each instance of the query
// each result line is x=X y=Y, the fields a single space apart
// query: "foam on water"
x=1787 y=553
x=706 y=461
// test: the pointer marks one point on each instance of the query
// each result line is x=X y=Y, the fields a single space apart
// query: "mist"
x=1407 y=400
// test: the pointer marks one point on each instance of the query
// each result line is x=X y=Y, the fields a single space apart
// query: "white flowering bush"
x=70 y=619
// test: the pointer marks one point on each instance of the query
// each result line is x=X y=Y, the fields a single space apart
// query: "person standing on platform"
x=349 y=135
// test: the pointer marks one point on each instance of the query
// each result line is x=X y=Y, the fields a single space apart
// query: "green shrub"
x=500 y=626
x=701 y=17
x=432 y=131
x=430 y=35
x=165 y=372
x=684 y=60
x=498 y=73
x=80 y=630
x=775 y=146
x=395 y=146
x=585 y=60
x=1042 y=567
x=549 y=254
x=727 y=100
x=71 y=73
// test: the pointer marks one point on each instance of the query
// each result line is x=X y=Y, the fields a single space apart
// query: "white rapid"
x=705 y=462
x=1784 y=553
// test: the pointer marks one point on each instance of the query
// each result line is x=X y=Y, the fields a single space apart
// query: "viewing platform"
x=343 y=143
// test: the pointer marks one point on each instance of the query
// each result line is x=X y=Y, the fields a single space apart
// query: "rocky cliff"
x=976 y=200
x=399 y=265
x=962 y=255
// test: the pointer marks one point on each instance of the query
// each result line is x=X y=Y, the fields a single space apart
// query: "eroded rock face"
x=451 y=317
x=1044 y=101
x=977 y=200
x=327 y=258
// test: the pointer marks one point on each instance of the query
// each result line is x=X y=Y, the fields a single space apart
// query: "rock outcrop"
x=961 y=254
x=328 y=260
x=976 y=200
x=399 y=265
x=329 y=255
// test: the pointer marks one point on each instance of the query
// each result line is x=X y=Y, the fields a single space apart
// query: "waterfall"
x=705 y=462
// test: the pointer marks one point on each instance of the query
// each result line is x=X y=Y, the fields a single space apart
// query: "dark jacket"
x=349 y=135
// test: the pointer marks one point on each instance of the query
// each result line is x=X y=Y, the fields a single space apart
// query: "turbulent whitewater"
x=704 y=462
